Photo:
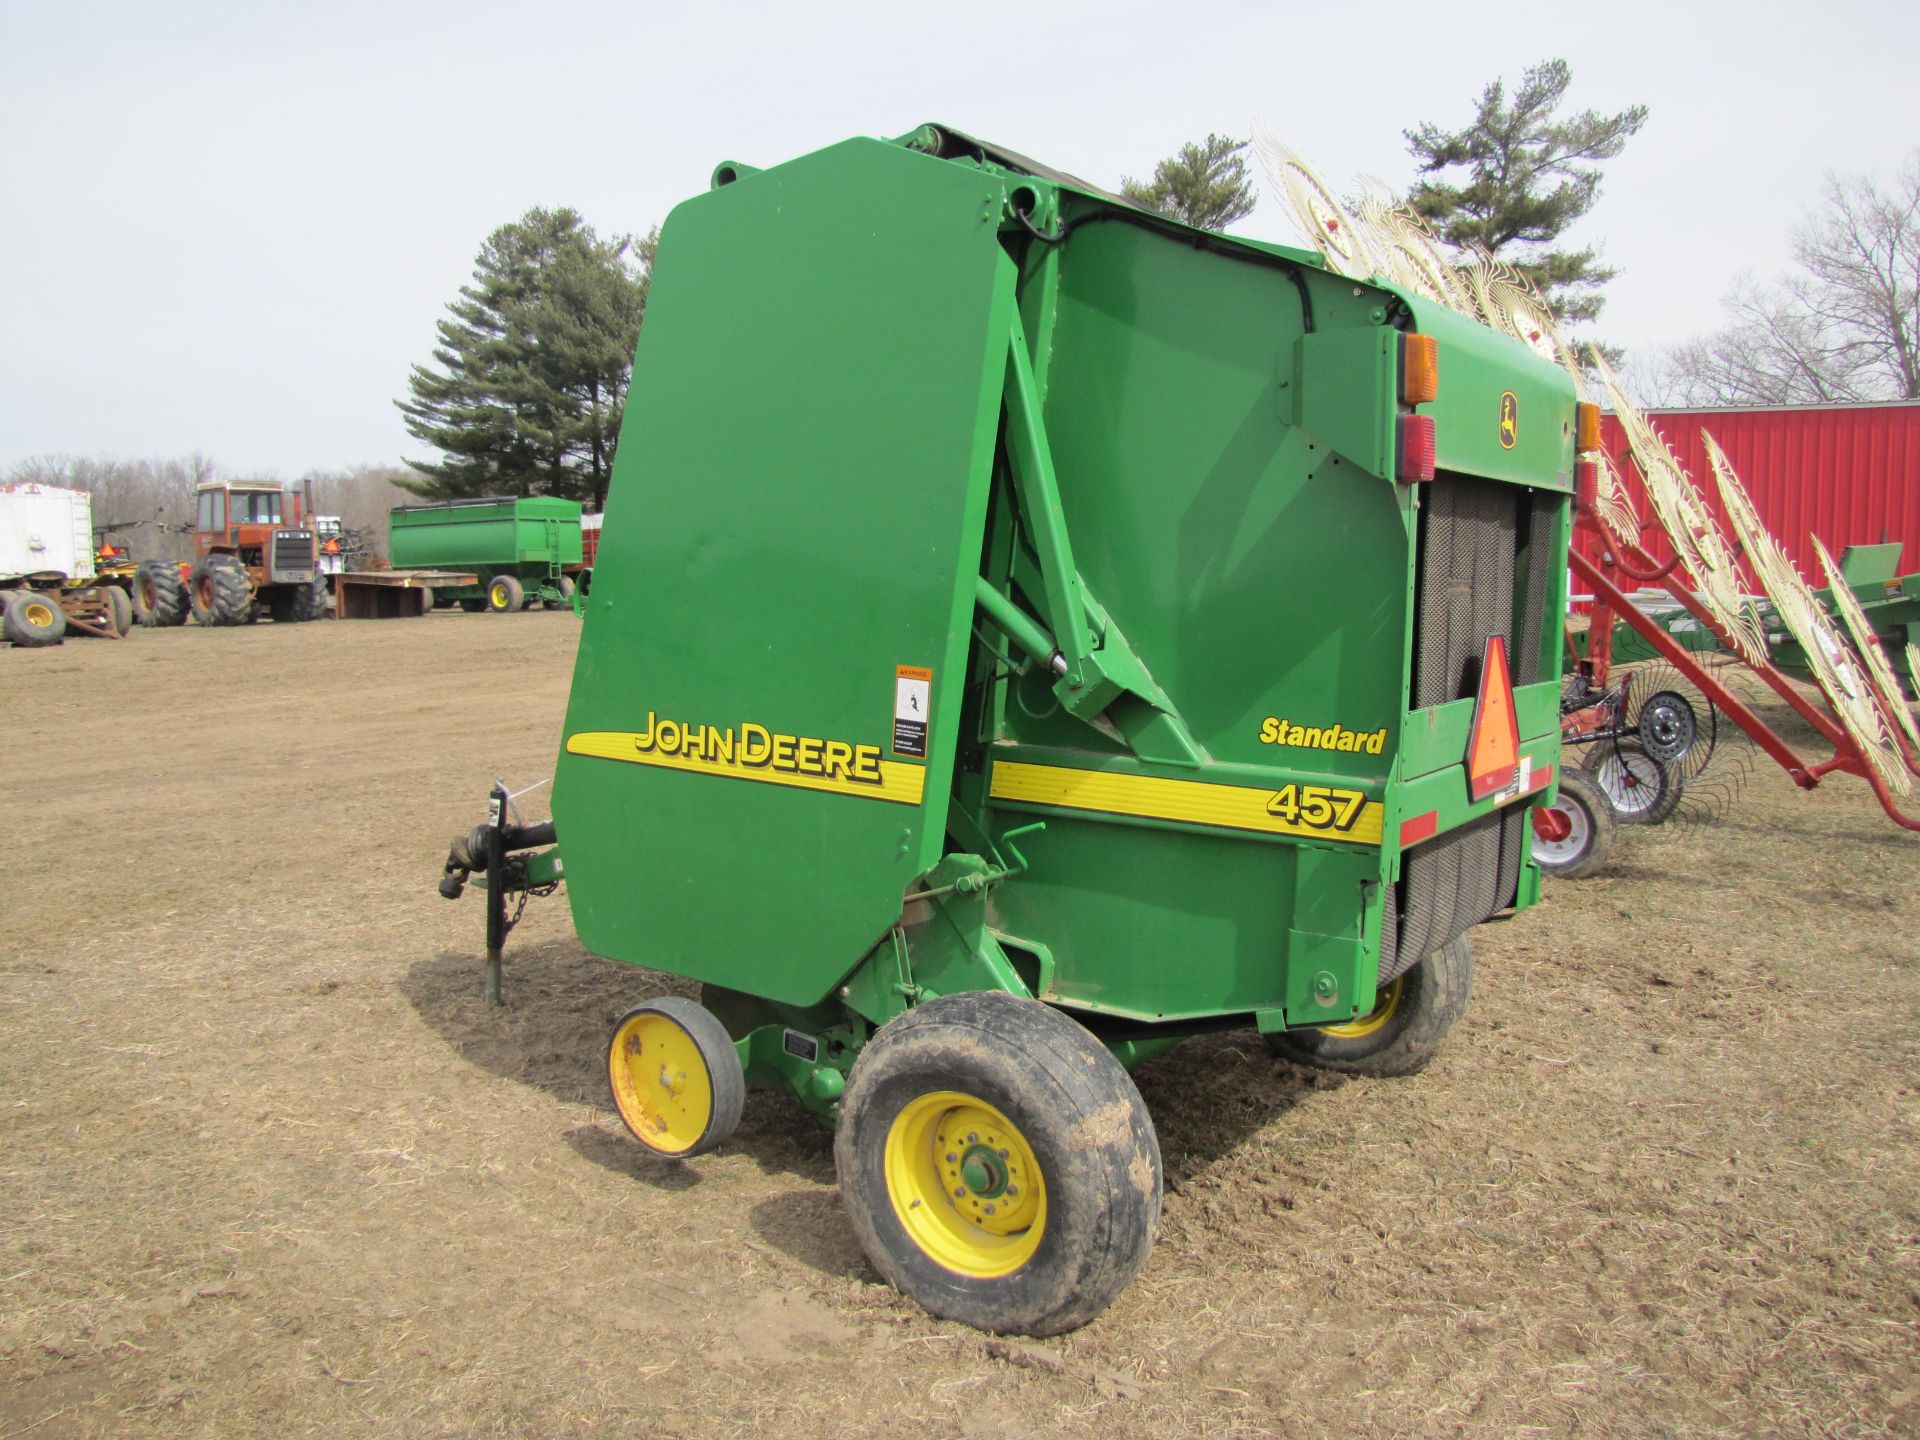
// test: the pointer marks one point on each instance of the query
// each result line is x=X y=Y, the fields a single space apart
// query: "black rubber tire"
x=473 y=607
x=33 y=618
x=1082 y=1120
x=1596 y=828
x=505 y=594
x=310 y=600
x=565 y=586
x=728 y=1083
x=119 y=610
x=160 y=594
x=219 y=591
x=1421 y=1005
x=1633 y=771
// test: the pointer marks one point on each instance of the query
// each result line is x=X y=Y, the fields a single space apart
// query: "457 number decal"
x=1317 y=807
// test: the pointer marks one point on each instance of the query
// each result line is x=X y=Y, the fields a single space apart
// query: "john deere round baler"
x=1028 y=632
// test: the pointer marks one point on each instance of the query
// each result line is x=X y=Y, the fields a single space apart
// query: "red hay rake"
x=1602 y=559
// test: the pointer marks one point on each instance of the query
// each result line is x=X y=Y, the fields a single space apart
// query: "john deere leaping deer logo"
x=1509 y=419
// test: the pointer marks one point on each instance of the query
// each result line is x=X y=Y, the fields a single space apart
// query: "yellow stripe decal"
x=1312 y=812
x=900 y=783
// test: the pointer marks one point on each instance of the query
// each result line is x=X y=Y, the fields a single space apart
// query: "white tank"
x=45 y=530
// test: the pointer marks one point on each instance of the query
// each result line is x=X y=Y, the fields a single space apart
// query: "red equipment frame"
x=1595 y=558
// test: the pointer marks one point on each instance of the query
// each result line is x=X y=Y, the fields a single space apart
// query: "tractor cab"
x=240 y=520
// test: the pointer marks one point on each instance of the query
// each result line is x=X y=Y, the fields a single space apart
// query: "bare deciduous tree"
x=147 y=505
x=1844 y=326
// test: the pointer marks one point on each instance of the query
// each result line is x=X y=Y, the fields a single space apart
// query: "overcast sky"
x=230 y=227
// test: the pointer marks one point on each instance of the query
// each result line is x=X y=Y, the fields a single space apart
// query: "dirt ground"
x=268 y=1167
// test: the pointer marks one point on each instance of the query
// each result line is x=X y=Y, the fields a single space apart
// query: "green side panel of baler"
x=1228 y=484
x=1259 y=571
x=494 y=537
x=796 y=513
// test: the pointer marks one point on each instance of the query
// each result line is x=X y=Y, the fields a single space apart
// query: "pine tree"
x=1204 y=185
x=1529 y=177
x=533 y=363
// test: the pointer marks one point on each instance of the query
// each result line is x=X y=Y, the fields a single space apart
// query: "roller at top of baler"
x=1028 y=632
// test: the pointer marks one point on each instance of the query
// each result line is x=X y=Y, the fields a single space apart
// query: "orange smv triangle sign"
x=1493 y=745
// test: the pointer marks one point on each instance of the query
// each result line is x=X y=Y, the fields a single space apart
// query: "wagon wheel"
x=1410 y=1019
x=33 y=619
x=1573 y=837
x=119 y=610
x=675 y=1077
x=997 y=1164
x=505 y=595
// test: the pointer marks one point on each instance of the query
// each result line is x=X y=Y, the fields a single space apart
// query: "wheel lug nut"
x=951 y=1157
x=959 y=1192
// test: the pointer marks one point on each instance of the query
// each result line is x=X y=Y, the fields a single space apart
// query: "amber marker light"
x=1586 y=427
x=1419 y=369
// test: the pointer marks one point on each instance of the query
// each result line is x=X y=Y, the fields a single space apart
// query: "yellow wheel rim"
x=965 y=1185
x=660 y=1083
x=499 y=596
x=38 y=615
x=1375 y=1020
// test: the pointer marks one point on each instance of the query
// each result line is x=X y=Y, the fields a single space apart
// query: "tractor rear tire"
x=310 y=600
x=33 y=618
x=1591 y=829
x=1410 y=1019
x=119 y=610
x=1042 y=1135
x=160 y=596
x=219 y=591
x=505 y=595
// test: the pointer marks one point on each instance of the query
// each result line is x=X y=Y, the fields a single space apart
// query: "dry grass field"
x=268 y=1167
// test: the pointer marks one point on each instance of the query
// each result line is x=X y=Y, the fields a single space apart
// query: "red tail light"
x=1416 y=449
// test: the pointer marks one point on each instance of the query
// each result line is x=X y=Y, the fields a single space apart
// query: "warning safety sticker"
x=912 y=693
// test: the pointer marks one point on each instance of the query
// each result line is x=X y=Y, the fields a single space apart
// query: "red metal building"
x=1847 y=473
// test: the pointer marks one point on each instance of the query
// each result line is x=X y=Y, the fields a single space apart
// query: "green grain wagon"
x=1028 y=632
x=520 y=546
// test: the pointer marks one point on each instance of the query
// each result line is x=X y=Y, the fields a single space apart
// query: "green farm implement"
x=1027 y=633
x=519 y=548
x=1890 y=601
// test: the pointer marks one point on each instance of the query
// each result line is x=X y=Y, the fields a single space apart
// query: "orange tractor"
x=255 y=553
